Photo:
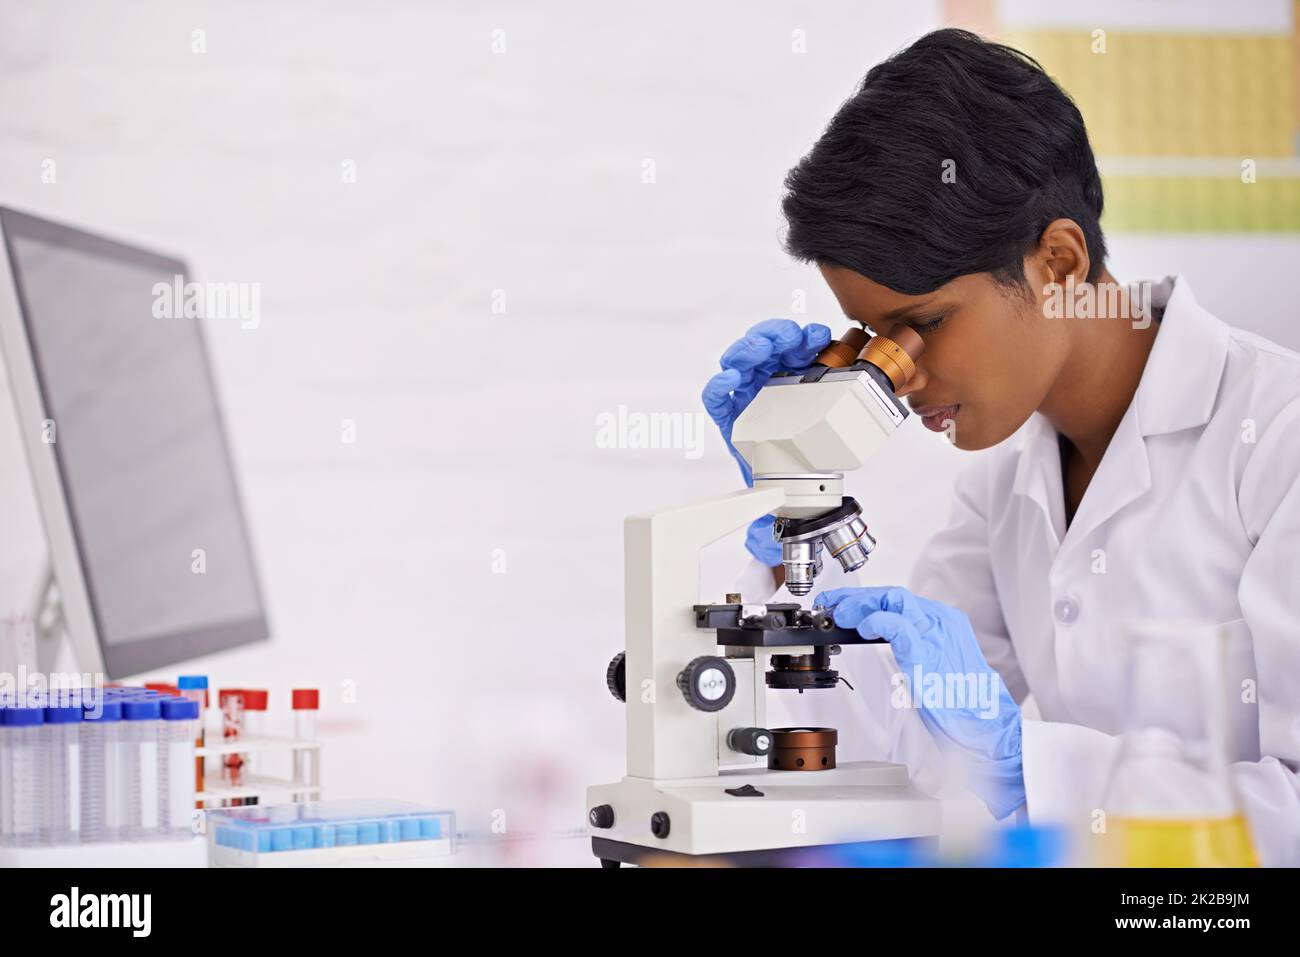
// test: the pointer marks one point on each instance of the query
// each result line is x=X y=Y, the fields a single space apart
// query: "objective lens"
x=803 y=562
x=850 y=543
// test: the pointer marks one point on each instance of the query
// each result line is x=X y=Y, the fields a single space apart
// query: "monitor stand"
x=38 y=644
x=51 y=629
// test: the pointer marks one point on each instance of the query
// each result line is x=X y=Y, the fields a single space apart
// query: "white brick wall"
x=475 y=172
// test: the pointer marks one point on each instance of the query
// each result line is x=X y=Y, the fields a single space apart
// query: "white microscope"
x=707 y=781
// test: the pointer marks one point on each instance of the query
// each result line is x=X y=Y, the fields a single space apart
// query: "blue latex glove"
x=771 y=346
x=939 y=641
x=761 y=544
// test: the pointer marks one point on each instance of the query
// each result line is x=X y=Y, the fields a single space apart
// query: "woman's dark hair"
x=871 y=195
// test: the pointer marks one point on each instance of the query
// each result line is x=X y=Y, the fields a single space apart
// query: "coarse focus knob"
x=707 y=683
x=602 y=816
x=616 y=676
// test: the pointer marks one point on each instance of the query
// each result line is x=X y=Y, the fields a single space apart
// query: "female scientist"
x=1142 y=458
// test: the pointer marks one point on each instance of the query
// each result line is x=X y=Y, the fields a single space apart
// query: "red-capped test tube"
x=254 y=715
x=254 y=727
x=306 y=703
x=231 y=703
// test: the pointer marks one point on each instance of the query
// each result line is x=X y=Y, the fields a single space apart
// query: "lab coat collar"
x=1038 y=471
x=1176 y=391
x=1181 y=378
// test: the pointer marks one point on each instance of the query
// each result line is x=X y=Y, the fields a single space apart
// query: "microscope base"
x=793 y=811
x=616 y=853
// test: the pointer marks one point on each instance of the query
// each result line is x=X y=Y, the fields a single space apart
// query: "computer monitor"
x=127 y=449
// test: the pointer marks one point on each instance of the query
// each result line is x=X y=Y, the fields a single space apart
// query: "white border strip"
x=1163 y=16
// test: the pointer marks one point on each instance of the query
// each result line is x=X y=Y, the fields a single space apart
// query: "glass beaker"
x=1170 y=800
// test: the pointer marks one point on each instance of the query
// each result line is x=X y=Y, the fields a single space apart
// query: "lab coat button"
x=1065 y=610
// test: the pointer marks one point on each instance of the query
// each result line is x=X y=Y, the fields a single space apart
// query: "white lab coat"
x=1193 y=514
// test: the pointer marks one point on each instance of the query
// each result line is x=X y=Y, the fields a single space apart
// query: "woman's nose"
x=915 y=384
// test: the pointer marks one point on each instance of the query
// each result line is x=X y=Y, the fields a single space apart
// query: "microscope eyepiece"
x=843 y=351
x=894 y=354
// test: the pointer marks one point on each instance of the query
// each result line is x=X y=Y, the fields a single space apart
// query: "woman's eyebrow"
x=908 y=312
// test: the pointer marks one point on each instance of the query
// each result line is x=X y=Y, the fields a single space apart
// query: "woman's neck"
x=1101 y=375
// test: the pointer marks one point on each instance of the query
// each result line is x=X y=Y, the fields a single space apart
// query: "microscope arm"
x=662 y=585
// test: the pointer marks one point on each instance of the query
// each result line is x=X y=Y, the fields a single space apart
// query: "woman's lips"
x=934 y=417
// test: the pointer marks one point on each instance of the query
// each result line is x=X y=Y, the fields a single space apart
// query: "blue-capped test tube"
x=6 y=787
x=28 y=765
x=141 y=789
x=63 y=788
x=101 y=769
x=195 y=687
x=176 y=766
x=5 y=701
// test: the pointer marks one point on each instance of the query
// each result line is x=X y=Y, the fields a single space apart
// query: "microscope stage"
x=781 y=625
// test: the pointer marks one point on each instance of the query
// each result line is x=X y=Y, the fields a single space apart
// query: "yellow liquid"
x=1185 y=842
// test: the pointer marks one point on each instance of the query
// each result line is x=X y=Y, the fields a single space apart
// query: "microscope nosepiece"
x=842 y=531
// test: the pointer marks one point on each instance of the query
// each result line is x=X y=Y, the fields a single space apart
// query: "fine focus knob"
x=616 y=676
x=602 y=816
x=755 y=741
x=707 y=683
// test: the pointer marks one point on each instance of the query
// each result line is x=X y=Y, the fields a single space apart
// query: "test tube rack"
x=265 y=788
x=171 y=852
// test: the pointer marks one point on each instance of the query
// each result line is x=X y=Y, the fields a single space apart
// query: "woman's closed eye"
x=927 y=325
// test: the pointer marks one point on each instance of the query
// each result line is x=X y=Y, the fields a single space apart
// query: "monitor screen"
x=141 y=449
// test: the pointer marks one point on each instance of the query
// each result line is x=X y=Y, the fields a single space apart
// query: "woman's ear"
x=1062 y=252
